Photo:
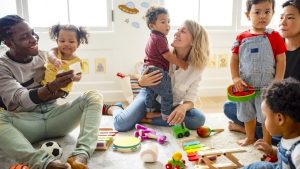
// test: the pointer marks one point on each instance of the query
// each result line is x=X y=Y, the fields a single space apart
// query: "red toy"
x=147 y=133
x=269 y=158
x=121 y=75
x=248 y=93
x=19 y=166
x=204 y=131
x=176 y=162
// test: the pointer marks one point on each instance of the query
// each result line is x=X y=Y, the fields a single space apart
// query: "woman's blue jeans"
x=126 y=119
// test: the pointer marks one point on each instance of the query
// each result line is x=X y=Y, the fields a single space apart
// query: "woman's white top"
x=185 y=83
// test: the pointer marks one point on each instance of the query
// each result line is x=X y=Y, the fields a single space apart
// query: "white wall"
x=124 y=46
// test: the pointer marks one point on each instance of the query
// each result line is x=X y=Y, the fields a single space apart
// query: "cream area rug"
x=110 y=159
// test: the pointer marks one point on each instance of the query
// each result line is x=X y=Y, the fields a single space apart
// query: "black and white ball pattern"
x=52 y=148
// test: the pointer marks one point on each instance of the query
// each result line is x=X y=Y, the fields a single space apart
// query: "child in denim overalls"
x=258 y=59
x=158 y=57
x=281 y=108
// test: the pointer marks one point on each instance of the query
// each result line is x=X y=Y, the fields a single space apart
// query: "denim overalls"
x=257 y=68
x=285 y=156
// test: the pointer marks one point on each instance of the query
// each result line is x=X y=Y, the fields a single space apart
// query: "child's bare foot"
x=246 y=142
x=235 y=127
x=151 y=115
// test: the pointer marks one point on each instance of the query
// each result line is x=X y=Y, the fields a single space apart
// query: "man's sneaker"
x=106 y=107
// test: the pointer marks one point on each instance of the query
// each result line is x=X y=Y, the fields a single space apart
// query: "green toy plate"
x=241 y=96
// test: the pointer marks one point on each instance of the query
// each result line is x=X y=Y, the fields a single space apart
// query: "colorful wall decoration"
x=131 y=8
x=100 y=65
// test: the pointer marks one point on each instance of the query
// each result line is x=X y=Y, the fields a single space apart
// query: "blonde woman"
x=191 y=45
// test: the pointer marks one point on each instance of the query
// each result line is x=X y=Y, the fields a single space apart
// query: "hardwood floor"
x=211 y=104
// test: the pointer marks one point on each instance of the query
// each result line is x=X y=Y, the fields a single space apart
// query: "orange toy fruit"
x=19 y=166
x=204 y=131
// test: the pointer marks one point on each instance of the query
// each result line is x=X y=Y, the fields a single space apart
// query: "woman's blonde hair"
x=199 y=54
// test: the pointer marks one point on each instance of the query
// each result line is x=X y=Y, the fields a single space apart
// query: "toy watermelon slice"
x=248 y=93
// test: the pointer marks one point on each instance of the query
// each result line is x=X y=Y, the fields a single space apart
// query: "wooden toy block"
x=228 y=153
x=197 y=149
x=107 y=132
x=197 y=146
x=190 y=143
x=104 y=142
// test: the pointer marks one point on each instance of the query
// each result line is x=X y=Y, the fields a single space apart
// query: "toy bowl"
x=247 y=94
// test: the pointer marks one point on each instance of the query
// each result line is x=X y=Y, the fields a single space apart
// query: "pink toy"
x=121 y=75
x=146 y=133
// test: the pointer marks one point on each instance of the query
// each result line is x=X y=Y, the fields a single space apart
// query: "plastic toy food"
x=248 y=93
x=204 y=131
x=18 y=166
x=176 y=162
x=145 y=133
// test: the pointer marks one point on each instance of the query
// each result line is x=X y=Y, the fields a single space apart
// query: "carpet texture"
x=110 y=159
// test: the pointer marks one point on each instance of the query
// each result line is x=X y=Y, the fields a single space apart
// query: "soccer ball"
x=52 y=148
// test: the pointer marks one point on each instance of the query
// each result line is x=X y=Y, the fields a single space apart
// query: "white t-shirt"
x=185 y=84
x=286 y=144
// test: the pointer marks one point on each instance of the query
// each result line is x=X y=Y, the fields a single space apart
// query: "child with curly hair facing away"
x=281 y=108
x=62 y=58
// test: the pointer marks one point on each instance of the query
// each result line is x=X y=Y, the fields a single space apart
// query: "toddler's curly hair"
x=152 y=13
x=284 y=97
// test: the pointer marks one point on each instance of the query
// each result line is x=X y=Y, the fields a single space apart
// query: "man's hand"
x=63 y=79
x=52 y=90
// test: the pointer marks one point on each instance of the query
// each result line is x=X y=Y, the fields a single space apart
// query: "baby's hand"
x=239 y=84
x=57 y=63
x=264 y=147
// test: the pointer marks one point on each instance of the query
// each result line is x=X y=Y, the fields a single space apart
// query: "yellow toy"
x=176 y=162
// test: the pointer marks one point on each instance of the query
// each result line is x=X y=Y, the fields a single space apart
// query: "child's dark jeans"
x=163 y=89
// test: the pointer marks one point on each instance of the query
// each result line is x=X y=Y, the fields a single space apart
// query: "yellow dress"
x=51 y=71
